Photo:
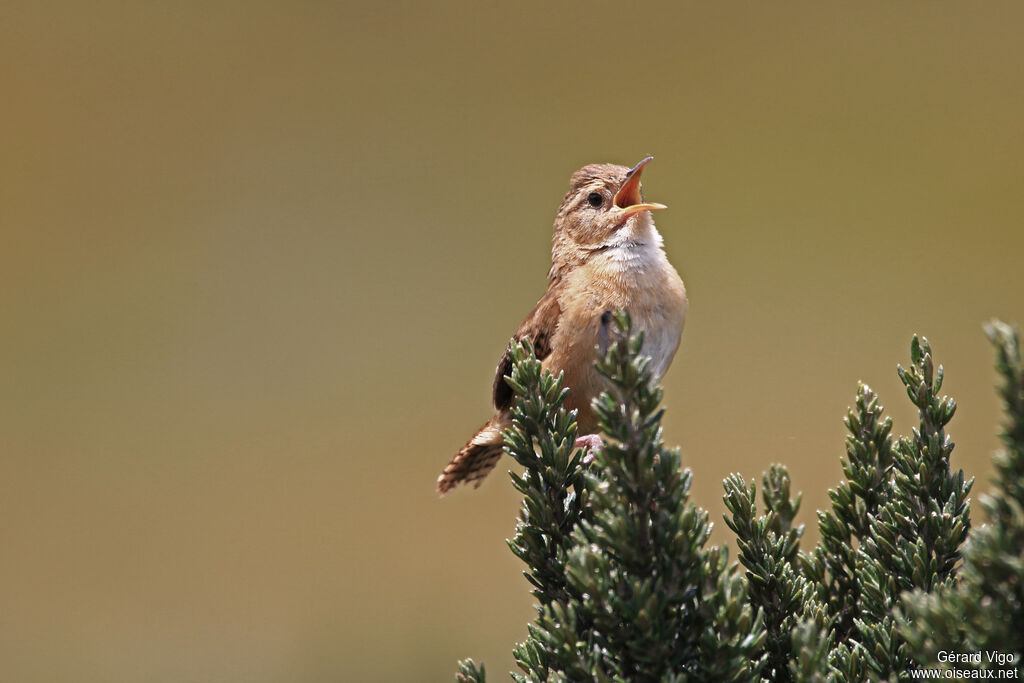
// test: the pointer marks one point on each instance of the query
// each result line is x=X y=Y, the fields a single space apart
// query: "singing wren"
x=606 y=255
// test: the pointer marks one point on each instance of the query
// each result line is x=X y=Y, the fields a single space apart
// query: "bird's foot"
x=592 y=443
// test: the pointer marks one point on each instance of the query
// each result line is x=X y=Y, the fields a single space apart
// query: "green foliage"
x=615 y=551
x=915 y=534
x=768 y=549
x=469 y=672
x=1004 y=507
x=629 y=590
x=640 y=561
x=555 y=497
x=867 y=465
x=984 y=610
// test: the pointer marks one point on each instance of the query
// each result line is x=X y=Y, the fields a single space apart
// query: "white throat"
x=628 y=251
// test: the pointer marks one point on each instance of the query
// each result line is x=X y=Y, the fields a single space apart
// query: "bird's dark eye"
x=595 y=199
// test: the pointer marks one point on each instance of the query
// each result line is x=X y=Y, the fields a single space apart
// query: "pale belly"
x=661 y=339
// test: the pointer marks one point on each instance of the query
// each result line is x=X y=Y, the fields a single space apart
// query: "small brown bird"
x=606 y=255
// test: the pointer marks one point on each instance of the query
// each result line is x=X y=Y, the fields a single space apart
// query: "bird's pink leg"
x=592 y=443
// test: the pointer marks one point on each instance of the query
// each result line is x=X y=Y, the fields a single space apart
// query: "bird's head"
x=603 y=209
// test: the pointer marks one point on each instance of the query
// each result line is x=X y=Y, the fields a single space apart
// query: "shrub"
x=628 y=588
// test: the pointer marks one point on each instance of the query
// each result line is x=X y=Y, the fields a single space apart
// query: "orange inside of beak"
x=628 y=198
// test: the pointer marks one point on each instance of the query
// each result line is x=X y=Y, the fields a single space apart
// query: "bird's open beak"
x=628 y=197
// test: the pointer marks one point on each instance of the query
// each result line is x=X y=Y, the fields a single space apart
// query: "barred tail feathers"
x=475 y=460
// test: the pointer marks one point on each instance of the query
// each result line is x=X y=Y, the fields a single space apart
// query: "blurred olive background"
x=258 y=262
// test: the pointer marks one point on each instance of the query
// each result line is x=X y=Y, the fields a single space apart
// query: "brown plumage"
x=606 y=255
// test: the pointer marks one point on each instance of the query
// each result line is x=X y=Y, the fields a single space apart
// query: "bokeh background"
x=258 y=261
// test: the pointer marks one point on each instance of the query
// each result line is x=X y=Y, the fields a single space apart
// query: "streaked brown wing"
x=539 y=327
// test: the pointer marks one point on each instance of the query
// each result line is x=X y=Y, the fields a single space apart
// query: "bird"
x=606 y=255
